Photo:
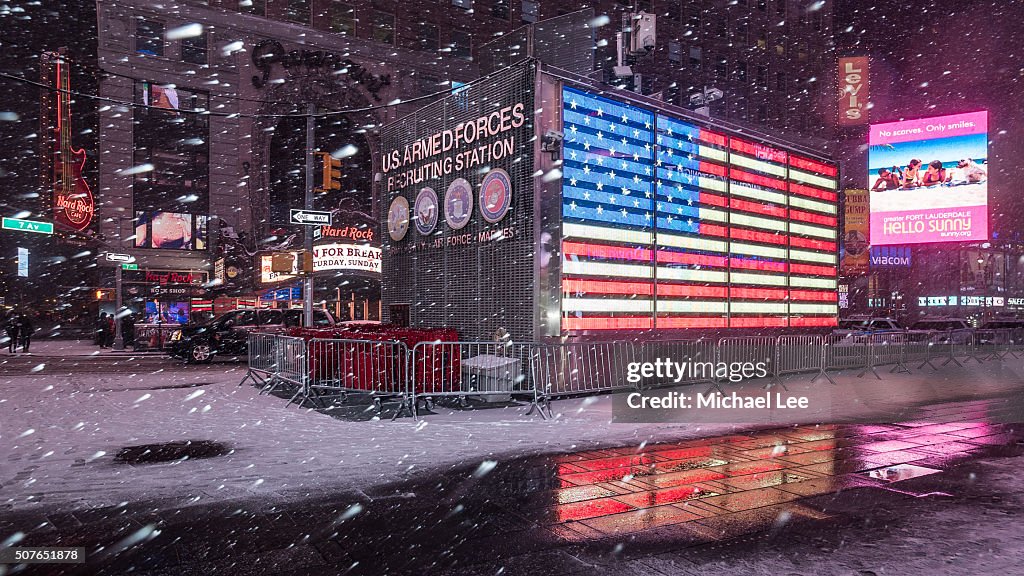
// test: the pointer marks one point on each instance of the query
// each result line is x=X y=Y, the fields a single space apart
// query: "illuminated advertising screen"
x=170 y=231
x=671 y=225
x=929 y=180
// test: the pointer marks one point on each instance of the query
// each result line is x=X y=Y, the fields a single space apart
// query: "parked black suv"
x=227 y=334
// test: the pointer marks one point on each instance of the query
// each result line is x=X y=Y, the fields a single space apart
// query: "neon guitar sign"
x=73 y=204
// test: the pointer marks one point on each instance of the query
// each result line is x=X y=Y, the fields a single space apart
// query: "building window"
x=297 y=11
x=257 y=7
x=741 y=71
x=530 y=10
x=780 y=8
x=762 y=5
x=193 y=49
x=427 y=37
x=462 y=45
x=762 y=113
x=383 y=27
x=721 y=68
x=672 y=10
x=675 y=53
x=723 y=29
x=762 y=39
x=149 y=37
x=742 y=34
x=464 y=4
x=693 y=19
x=341 y=19
x=696 y=57
x=173 y=136
x=500 y=9
x=780 y=82
x=762 y=76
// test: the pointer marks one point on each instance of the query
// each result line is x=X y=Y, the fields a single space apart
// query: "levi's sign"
x=310 y=217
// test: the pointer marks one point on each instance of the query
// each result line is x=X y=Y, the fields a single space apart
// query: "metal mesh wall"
x=480 y=286
x=565 y=42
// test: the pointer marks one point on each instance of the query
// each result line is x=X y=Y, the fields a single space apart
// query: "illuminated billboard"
x=670 y=225
x=929 y=180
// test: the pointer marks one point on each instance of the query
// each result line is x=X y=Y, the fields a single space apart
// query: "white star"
x=600 y=160
x=611 y=175
x=625 y=191
x=669 y=219
x=572 y=181
x=689 y=201
x=647 y=170
x=586 y=169
x=625 y=119
x=600 y=209
x=586 y=195
x=636 y=203
x=624 y=213
x=624 y=141
x=647 y=194
x=586 y=145
x=636 y=157
x=572 y=128
x=679 y=210
x=599 y=135
x=636 y=179
x=600 y=112
x=572 y=154
x=611 y=199
x=670 y=131
x=636 y=133
x=611 y=127
x=611 y=151
x=647 y=215
x=586 y=120
x=670 y=197
x=647 y=124
x=689 y=221
x=572 y=105
x=600 y=185
x=572 y=206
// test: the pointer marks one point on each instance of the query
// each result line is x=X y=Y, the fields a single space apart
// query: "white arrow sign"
x=111 y=257
x=310 y=217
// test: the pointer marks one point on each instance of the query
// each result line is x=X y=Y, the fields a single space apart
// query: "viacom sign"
x=890 y=256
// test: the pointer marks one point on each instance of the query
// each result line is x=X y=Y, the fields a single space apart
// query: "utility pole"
x=307 y=277
x=118 y=334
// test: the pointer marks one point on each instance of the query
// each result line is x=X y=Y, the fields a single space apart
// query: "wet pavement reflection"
x=714 y=487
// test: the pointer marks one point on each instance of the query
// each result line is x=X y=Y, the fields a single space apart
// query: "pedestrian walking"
x=11 y=327
x=25 y=330
x=110 y=331
x=101 y=330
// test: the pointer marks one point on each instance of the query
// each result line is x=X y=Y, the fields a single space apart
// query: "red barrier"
x=365 y=367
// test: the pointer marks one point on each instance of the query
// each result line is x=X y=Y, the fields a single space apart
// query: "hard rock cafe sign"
x=73 y=204
x=269 y=52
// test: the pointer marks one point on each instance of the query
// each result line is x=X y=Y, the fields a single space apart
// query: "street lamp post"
x=118 y=333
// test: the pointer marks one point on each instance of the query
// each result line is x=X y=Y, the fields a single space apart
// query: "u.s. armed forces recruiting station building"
x=535 y=203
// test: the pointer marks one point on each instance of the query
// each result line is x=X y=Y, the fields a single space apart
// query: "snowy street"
x=291 y=479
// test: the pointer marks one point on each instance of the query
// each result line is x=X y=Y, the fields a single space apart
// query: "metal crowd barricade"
x=461 y=370
x=961 y=344
x=339 y=368
x=276 y=360
x=920 y=348
x=153 y=336
x=883 y=350
x=570 y=369
x=799 y=353
x=697 y=354
x=993 y=344
x=844 y=352
x=743 y=349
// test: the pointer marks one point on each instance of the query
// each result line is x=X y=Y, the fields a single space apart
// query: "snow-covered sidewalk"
x=59 y=435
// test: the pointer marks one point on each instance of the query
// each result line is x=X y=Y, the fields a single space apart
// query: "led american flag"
x=669 y=225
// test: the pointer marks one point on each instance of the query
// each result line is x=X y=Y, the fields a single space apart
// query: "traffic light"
x=330 y=175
